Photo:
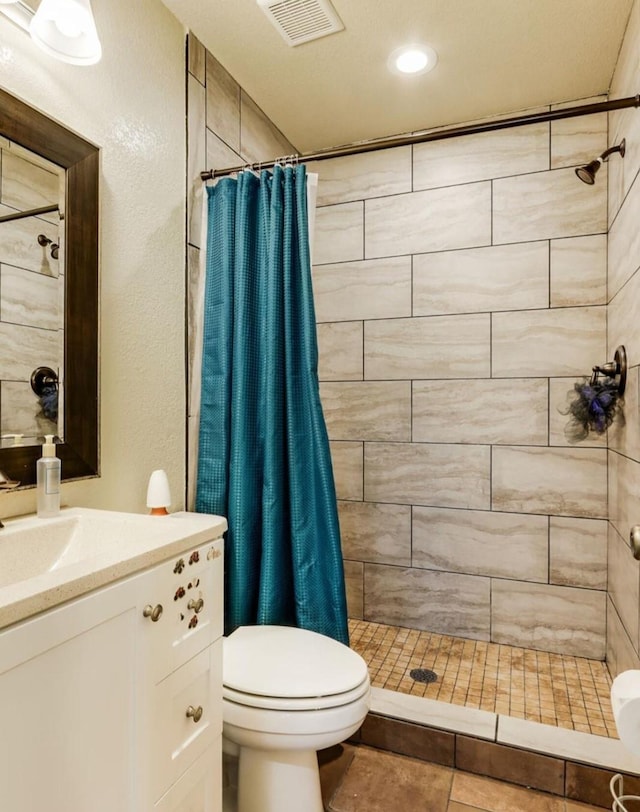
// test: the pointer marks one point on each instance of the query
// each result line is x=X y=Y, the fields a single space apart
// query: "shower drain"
x=423 y=675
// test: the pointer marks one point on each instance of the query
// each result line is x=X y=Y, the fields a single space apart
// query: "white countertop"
x=121 y=545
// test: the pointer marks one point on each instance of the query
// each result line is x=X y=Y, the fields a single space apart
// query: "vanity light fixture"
x=65 y=29
x=412 y=60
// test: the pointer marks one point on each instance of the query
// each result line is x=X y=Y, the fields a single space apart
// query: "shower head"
x=587 y=173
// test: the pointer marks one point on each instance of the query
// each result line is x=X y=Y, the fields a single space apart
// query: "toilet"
x=287 y=693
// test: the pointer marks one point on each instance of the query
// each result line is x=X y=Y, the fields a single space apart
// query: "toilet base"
x=278 y=781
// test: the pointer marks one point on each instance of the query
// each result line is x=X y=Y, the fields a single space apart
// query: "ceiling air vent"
x=301 y=21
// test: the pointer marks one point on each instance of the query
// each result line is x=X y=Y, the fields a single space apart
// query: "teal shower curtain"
x=263 y=452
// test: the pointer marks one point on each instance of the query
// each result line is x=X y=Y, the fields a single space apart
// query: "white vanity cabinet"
x=111 y=704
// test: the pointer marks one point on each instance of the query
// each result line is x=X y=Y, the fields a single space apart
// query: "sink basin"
x=31 y=550
x=47 y=561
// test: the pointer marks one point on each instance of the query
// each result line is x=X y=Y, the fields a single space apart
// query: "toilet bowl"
x=286 y=694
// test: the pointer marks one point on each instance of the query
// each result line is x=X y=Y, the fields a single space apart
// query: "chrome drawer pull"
x=153 y=612
x=195 y=713
x=196 y=604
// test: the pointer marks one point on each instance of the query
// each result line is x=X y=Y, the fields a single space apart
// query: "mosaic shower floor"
x=554 y=689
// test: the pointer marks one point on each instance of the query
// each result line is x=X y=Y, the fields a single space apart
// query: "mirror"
x=31 y=296
x=66 y=167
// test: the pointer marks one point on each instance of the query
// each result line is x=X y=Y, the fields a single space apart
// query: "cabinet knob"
x=634 y=538
x=195 y=713
x=153 y=612
x=196 y=604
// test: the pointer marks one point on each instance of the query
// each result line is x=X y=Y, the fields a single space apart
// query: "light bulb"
x=411 y=61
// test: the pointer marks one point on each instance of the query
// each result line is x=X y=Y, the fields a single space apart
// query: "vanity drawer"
x=191 y=618
x=186 y=716
x=200 y=788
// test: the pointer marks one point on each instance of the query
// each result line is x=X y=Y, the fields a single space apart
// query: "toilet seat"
x=285 y=668
x=300 y=704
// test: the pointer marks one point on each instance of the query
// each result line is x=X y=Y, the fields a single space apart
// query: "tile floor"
x=361 y=779
x=555 y=689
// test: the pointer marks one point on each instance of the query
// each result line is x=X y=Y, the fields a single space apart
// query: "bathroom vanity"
x=110 y=663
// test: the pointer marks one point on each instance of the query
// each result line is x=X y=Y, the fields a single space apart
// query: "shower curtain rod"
x=20 y=215
x=437 y=135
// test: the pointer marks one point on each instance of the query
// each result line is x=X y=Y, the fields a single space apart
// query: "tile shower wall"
x=31 y=292
x=623 y=642
x=225 y=128
x=460 y=291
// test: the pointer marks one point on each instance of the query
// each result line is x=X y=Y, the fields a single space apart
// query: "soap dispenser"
x=48 y=480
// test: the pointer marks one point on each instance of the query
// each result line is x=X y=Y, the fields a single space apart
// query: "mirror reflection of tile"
x=31 y=289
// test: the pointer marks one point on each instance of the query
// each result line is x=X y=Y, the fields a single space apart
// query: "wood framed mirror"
x=34 y=131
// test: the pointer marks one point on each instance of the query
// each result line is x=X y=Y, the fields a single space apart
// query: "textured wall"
x=132 y=105
x=460 y=291
x=623 y=328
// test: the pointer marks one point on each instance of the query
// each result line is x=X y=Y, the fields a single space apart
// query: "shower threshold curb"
x=585 y=748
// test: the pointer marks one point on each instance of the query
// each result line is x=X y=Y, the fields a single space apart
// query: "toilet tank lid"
x=281 y=661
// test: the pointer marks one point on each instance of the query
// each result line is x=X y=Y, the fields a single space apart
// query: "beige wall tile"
x=476 y=542
x=505 y=277
x=21 y=412
x=624 y=492
x=20 y=247
x=340 y=347
x=623 y=323
x=339 y=233
x=561 y=394
x=565 y=341
x=454 y=217
x=223 y=103
x=624 y=582
x=357 y=177
x=196 y=58
x=548 y=618
x=624 y=241
x=578 y=552
x=484 y=156
x=624 y=434
x=621 y=653
x=439 y=601
x=430 y=347
x=546 y=205
x=219 y=155
x=367 y=410
x=195 y=294
x=430 y=474
x=622 y=172
x=30 y=299
x=511 y=412
x=625 y=123
x=579 y=271
x=348 y=465
x=372 y=289
x=354 y=583
x=576 y=141
x=376 y=533
x=196 y=157
x=24 y=349
x=260 y=139
x=560 y=481
x=26 y=185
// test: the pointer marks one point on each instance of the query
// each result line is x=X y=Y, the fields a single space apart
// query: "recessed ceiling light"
x=412 y=60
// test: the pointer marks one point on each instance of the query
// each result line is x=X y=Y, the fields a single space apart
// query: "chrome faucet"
x=6 y=484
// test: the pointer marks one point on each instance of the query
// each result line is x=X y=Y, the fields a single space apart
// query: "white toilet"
x=286 y=694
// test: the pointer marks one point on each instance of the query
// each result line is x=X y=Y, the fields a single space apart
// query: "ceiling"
x=495 y=57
